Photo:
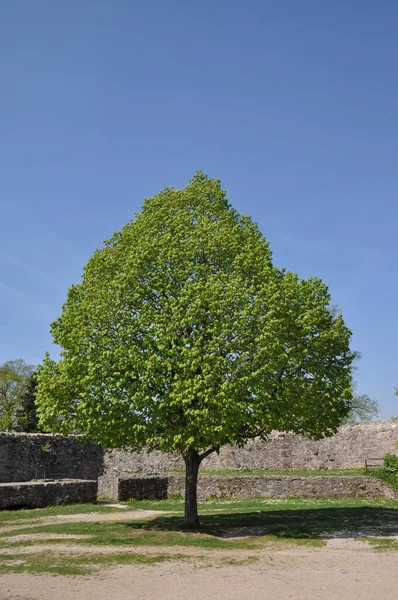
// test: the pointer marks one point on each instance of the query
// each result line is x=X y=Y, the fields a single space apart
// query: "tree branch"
x=208 y=452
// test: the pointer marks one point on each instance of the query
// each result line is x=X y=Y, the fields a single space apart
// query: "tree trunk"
x=192 y=462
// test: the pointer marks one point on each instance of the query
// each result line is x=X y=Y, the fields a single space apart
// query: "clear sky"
x=293 y=105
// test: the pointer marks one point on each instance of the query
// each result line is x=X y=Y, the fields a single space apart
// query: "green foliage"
x=389 y=471
x=46 y=448
x=396 y=417
x=27 y=419
x=385 y=475
x=391 y=462
x=14 y=382
x=176 y=496
x=183 y=335
x=362 y=408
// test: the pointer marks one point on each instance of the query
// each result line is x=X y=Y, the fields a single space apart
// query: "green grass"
x=252 y=523
x=38 y=513
x=233 y=505
x=295 y=472
x=238 y=525
x=225 y=525
x=50 y=562
x=379 y=472
x=130 y=533
x=379 y=543
x=386 y=476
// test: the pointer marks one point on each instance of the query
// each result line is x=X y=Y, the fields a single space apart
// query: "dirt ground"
x=296 y=574
x=343 y=570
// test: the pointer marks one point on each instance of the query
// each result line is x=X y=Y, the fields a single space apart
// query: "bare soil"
x=295 y=574
x=345 y=569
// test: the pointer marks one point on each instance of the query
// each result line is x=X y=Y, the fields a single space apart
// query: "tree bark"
x=192 y=461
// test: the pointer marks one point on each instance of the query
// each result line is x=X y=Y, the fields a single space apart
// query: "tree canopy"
x=362 y=408
x=183 y=336
x=14 y=382
x=27 y=419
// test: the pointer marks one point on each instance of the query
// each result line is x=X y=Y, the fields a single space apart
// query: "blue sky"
x=293 y=105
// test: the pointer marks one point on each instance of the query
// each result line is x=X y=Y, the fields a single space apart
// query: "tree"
x=14 y=379
x=182 y=336
x=362 y=408
x=396 y=417
x=26 y=417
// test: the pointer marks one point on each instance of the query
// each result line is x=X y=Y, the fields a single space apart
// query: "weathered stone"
x=30 y=456
x=247 y=486
x=24 y=457
x=38 y=494
x=349 y=448
x=139 y=488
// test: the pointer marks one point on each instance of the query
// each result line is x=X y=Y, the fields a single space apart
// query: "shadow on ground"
x=292 y=524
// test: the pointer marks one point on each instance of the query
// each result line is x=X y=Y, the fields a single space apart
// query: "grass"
x=294 y=472
x=379 y=472
x=131 y=533
x=50 y=562
x=38 y=513
x=230 y=525
x=379 y=543
x=250 y=522
x=232 y=505
x=386 y=476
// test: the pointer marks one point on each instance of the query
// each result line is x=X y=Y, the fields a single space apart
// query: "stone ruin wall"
x=27 y=456
x=24 y=457
x=158 y=487
x=347 y=449
x=38 y=494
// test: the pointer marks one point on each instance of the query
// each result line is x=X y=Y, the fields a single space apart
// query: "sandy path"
x=291 y=574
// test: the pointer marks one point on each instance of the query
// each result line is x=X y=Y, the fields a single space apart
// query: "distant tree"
x=183 y=336
x=362 y=408
x=396 y=417
x=26 y=418
x=14 y=381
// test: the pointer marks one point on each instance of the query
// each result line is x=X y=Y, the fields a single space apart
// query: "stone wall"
x=247 y=486
x=24 y=457
x=279 y=486
x=38 y=494
x=347 y=449
x=139 y=488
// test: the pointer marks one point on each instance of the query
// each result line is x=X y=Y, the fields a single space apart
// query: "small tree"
x=183 y=336
x=26 y=416
x=14 y=380
x=362 y=408
x=395 y=418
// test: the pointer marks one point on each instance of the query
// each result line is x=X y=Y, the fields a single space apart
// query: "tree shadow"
x=286 y=524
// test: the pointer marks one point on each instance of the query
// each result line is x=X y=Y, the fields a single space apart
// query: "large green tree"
x=183 y=336
x=14 y=381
